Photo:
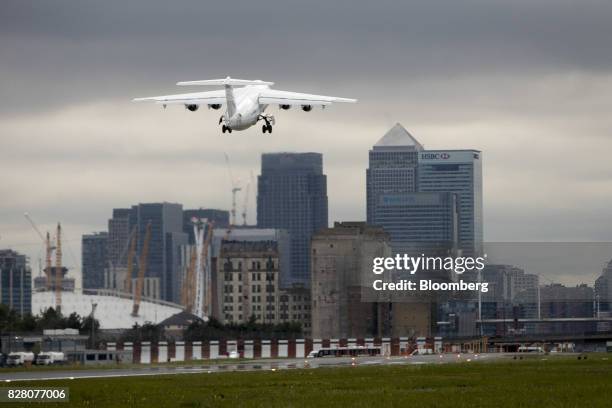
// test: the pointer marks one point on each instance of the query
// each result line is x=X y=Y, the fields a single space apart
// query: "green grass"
x=558 y=382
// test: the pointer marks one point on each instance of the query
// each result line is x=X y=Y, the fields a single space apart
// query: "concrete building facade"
x=248 y=286
x=339 y=257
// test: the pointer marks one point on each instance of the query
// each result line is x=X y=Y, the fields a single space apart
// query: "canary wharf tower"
x=401 y=181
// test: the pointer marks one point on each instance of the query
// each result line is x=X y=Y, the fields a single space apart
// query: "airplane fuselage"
x=248 y=110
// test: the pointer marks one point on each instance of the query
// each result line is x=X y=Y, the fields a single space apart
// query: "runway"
x=254 y=365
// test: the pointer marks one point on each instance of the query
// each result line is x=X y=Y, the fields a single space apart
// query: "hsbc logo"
x=435 y=156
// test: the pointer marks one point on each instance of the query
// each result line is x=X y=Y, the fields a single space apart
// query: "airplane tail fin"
x=229 y=98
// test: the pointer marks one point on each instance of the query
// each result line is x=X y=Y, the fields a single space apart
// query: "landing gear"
x=269 y=121
x=226 y=128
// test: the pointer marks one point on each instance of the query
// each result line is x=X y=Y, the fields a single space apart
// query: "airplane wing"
x=210 y=98
x=273 y=96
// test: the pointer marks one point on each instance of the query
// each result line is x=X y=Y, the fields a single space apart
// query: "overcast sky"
x=527 y=82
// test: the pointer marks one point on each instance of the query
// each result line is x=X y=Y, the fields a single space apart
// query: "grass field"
x=557 y=382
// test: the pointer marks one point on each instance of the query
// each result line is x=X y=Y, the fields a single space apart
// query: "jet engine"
x=306 y=108
x=285 y=107
x=214 y=106
x=192 y=108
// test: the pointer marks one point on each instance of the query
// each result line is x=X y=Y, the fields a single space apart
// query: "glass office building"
x=15 y=281
x=399 y=166
x=94 y=259
x=459 y=172
x=292 y=195
x=162 y=276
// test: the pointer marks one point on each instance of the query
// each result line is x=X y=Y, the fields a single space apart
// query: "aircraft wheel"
x=223 y=128
x=264 y=129
x=270 y=129
x=229 y=129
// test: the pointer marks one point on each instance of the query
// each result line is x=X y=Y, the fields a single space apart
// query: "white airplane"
x=245 y=106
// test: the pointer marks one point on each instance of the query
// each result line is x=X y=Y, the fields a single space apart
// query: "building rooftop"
x=180 y=319
x=249 y=246
x=352 y=228
x=398 y=136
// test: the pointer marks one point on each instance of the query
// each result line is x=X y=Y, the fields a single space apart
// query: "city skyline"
x=526 y=83
x=72 y=257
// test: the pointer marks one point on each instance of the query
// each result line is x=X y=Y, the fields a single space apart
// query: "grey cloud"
x=70 y=52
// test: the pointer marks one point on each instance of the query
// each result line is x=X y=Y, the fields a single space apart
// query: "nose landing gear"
x=266 y=128
x=226 y=128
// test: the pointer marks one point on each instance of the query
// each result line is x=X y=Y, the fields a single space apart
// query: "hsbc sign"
x=455 y=156
x=435 y=156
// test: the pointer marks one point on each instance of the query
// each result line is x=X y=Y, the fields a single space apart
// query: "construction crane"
x=188 y=289
x=141 y=271
x=207 y=303
x=49 y=248
x=48 y=254
x=235 y=189
x=58 y=269
x=245 y=204
x=130 y=260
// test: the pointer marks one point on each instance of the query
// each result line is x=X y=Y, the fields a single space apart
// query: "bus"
x=530 y=349
x=355 y=351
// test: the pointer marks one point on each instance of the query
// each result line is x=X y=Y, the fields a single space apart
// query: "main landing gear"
x=268 y=126
x=226 y=129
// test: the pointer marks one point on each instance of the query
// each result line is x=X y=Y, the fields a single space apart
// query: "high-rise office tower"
x=118 y=235
x=391 y=178
x=15 y=281
x=399 y=166
x=162 y=278
x=94 y=260
x=459 y=172
x=292 y=195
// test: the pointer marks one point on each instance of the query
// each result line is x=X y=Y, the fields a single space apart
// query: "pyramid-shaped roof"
x=398 y=136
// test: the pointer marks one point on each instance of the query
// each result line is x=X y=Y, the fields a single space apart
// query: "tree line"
x=11 y=321
x=213 y=329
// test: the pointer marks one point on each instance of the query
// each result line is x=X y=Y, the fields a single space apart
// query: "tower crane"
x=130 y=261
x=141 y=270
x=207 y=303
x=58 y=269
x=235 y=189
x=49 y=248
x=48 y=254
x=245 y=204
x=188 y=287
